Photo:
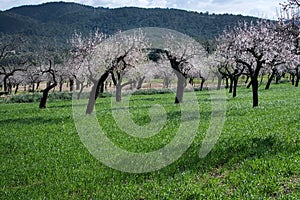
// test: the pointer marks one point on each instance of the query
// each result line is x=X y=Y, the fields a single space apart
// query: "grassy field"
x=256 y=157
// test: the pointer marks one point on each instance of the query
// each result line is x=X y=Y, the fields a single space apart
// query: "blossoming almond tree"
x=289 y=25
x=33 y=78
x=17 y=79
x=254 y=46
x=12 y=58
x=98 y=56
x=160 y=66
x=164 y=71
x=52 y=65
x=183 y=54
x=145 y=72
x=199 y=73
x=222 y=66
x=90 y=63
x=214 y=61
x=127 y=55
x=290 y=4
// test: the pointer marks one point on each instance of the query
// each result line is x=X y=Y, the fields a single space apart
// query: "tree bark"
x=9 y=88
x=17 y=88
x=106 y=86
x=119 y=89
x=292 y=78
x=254 y=82
x=92 y=99
x=5 y=83
x=202 y=83
x=80 y=91
x=297 y=81
x=278 y=77
x=297 y=76
x=249 y=85
x=235 y=83
x=181 y=76
x=181 y=84
x=140 y=82
x=191 y=82
x=247 y=79
x=219 y=82
x=95 y=92
x=227 y=83
x=61 y=83
x=231 y=85
x=118 y=92
x=101 y=89
x=166 y=82
x=77 y=85
x=37 y=85
x=71 y=84
x=43 y=101
x=270 y=80
x=32 y=87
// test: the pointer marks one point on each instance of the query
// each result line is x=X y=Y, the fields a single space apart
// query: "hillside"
x=60 y=20
x=11 y=22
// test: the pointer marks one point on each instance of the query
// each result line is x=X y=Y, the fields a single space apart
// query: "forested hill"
x=60 y=20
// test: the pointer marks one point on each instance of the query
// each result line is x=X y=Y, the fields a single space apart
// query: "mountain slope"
x=49 y=11
x=12 y=22
x=60 y=20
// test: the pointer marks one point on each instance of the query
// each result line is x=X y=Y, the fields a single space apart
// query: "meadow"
x=256 y=157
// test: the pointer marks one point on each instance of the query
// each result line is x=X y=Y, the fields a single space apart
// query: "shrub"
x=24 y=98
x=60 y=96
x=36 y=97
x=152 y=92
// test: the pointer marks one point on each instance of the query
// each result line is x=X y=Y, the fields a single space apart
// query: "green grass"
x=256 y=157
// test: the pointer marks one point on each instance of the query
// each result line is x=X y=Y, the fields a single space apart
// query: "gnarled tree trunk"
x=140 y=82
x=270 y=79
x=95 y=92
x=119 y=91
x=235 y=83
x=92 y=99
x=181 y=84
x=43 y=101
x=231 y=85
x=202 y=83
x=5 y=83
x=71 y=84
x=297 y=76
x=219 y=82
x=61 y=83
x=255 y=91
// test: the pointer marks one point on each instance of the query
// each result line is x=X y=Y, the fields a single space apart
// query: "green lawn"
x=256 y=157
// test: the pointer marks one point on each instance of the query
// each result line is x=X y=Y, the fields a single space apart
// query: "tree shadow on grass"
x=33 y=120
x=235 y=151
x=227 y=155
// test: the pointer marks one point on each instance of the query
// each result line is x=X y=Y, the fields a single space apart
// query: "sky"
x=258 y=8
